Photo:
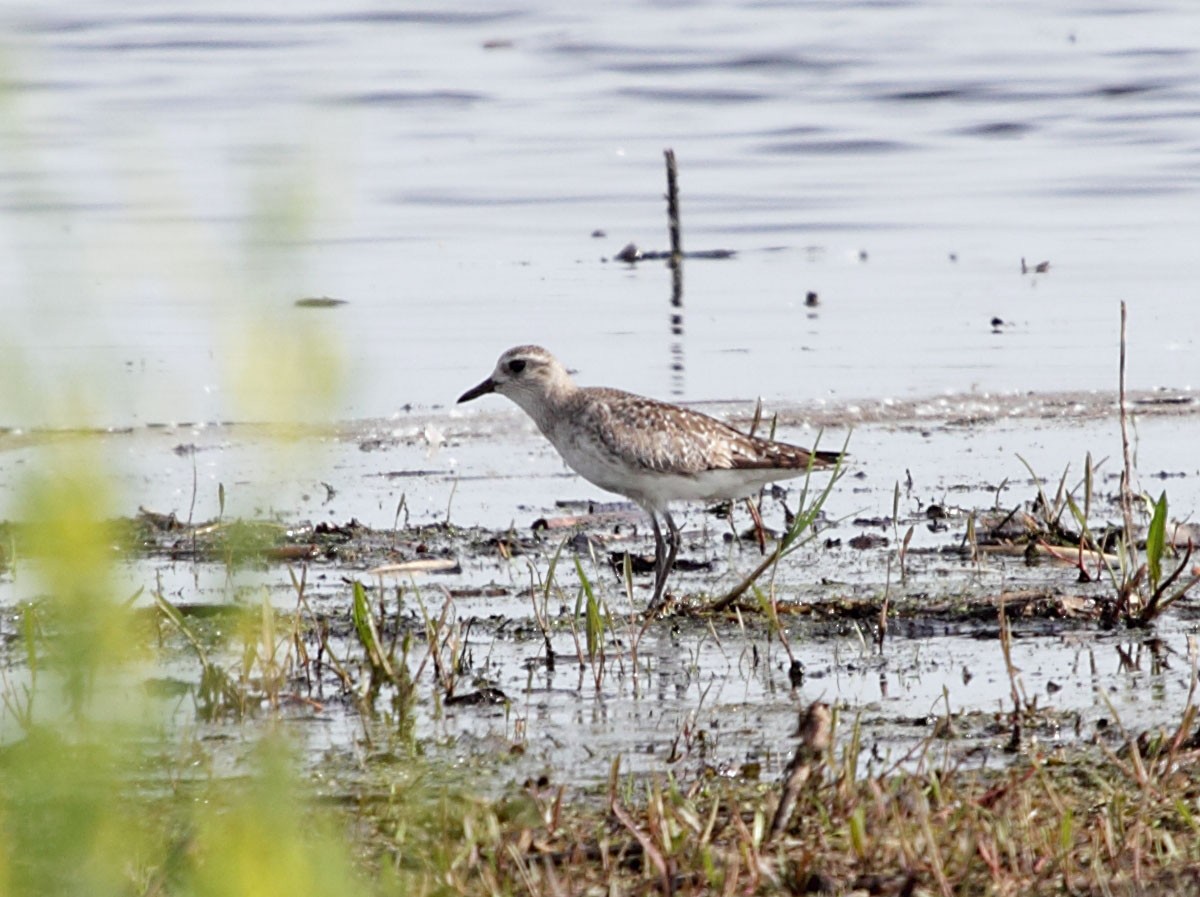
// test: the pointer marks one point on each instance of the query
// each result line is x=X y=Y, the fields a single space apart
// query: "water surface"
x=177 y=176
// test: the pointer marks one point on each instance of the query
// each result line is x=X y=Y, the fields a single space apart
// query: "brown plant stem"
x=1127 y=472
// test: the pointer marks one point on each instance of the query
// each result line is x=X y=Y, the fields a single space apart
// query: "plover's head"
x=526 y=374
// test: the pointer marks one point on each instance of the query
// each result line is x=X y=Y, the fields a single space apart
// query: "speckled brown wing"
x=652 y=435
x=656 y=436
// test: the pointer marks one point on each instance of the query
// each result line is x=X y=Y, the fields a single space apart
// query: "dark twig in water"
x=1142 y=591
x=1127 y=473
x=1013 y=675
x=632 y=254
x=882 y=626
x=192 y=506
x=401 y=508
x=760 y=531
x=673 y=208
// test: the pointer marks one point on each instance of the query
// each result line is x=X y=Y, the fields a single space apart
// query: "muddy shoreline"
x=457 y=506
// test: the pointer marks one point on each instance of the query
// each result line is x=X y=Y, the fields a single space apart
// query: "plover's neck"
x=550 y=406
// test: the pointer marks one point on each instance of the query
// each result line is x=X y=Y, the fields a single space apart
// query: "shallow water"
x=730 y=680
x=178 y=177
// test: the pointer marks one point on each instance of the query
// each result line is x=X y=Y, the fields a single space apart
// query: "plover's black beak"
x=488 y=385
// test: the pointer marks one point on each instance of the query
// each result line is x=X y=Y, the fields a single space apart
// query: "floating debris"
x=605 y=518
x=421 y=565
x=483 y=697
x=1164 y=400
x=630 y=253
x=319 y=302
x=868 y=540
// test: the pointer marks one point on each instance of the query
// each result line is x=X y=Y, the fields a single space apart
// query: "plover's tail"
x=827 y=459
x=759 y=454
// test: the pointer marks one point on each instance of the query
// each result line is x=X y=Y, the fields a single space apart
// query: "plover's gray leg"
x=665 y=551
x=660 y=557
x=676 y=540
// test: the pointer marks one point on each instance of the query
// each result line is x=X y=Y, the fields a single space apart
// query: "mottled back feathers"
x=651 y=451
x=666 y=438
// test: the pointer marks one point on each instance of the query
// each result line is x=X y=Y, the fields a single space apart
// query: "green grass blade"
x=368 y=634
x=594 y=627
x=1156 y=541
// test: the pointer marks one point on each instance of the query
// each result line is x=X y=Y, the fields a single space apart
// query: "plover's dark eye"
x=516 y=365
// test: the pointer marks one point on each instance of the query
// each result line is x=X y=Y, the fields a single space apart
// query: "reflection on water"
x=443 y=170
x=676 y=266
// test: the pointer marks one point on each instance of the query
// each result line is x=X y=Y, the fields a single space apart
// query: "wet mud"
x=942 y=588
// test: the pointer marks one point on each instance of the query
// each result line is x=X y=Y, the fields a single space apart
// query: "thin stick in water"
x=673 y=208
x=1127 y=473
